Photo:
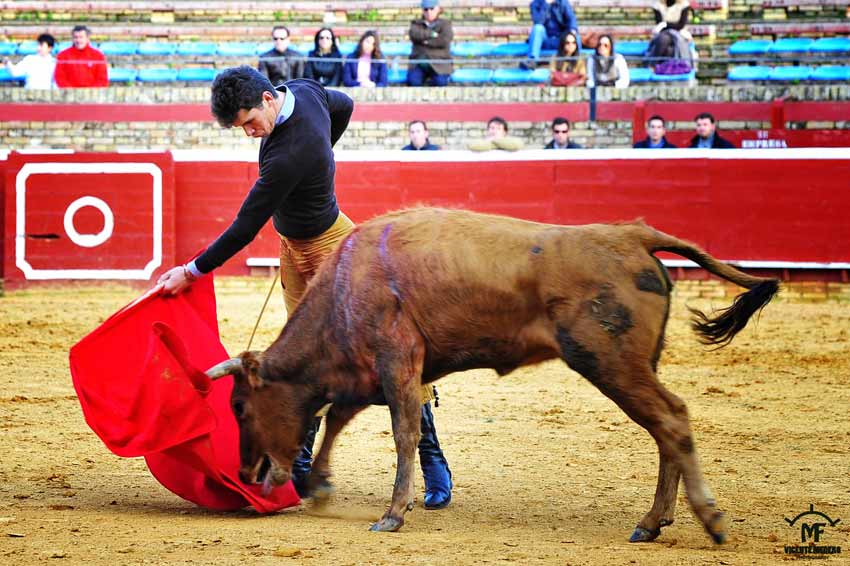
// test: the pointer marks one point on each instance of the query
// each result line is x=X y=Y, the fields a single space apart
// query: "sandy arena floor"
x=547 y=470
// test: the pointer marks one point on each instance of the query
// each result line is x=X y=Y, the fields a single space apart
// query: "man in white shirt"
x=37 y=70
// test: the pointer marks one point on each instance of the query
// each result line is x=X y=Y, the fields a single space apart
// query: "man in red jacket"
x=81 y=65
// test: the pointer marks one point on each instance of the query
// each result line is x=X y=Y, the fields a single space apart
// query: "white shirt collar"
x=287 y=108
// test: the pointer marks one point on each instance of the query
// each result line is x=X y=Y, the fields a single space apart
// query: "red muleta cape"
x=140 y=380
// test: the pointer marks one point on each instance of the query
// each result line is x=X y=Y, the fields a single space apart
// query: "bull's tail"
x=718 y=328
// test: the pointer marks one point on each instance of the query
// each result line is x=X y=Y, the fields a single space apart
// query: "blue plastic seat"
x=119 y=75
x=7 y=49
x=632 y=48
x=29 y=47
x=540 y=75
x=303 y=48
x=397 y=76
x=472 y=76
x=347 y=47
x=750 y=47
x=510 y=50
x=196 y=48
x=236 y=49
x=748 y=73
x=6 y=76
x=639 y=75
x=396 y=48
x=503 y=76
x=831 y=45
x=157 y=75
x=63 y=45
x=791 y=45
x=472 y=49
x=156 y=48
x=801 y=73
x=203 y=74
x=835 y=73
x=111 y=48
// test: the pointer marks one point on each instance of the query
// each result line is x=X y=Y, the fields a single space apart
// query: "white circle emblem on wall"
x=89 y=240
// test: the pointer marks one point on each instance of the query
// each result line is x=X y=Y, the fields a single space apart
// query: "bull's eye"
x=239 y=409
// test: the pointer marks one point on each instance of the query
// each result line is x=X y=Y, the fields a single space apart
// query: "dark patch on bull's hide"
x=613 y=316
x=577 y=356
x=686 y=445
x=536 y=250
x=647 y=280
x=659 y=346
x=501 y=355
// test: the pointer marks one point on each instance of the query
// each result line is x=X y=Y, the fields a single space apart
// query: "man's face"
x=257 y=122
x=80 y=39
x=418 y=135
x=705 y=128
x=655 y=130
x=281 y=40
x=561 y=133
x=44 y=49
x=431 y=14
x=496 y=131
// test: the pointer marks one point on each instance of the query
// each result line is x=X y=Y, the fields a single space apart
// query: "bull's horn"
x=226 y=367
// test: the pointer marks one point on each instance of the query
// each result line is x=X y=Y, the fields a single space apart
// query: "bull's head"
x=272 y=419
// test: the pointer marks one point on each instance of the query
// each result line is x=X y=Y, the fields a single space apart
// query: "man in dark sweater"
x=707 y=136
x=281 y=63
x=656 y=135
x=299 y=124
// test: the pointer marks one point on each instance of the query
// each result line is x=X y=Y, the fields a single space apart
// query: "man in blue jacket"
x=552 y=18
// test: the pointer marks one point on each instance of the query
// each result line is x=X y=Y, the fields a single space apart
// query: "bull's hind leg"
x=630 y=382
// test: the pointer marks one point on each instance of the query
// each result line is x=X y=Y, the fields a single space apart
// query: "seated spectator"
x=655 y=135
x=561 y=135
x=37 y=69
x=552 y=19
x=568 y=68
x=496 y=138
x=327 y=73
x=670 y=47
x=364 y=67
x=81 y=65
x=707 y=136
x=281 y=63
x=419 y=141
x=431 y=36
x=607 y=67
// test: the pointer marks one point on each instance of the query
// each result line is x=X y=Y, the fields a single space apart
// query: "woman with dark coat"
x=327 y=73
x=364 y=67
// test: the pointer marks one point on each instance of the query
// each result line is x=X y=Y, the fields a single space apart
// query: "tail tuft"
x=719 y=330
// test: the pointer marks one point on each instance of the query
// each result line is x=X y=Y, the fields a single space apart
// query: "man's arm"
x=538 y=12
x=340 y=107
x=419 y=32
x=101 y=72
x=570 y=16
x=444 y=35
x=60 y=73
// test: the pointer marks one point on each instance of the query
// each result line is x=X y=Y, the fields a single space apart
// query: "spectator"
x=81 y=65
x=551 y=19
x=327 y=73
x=36 y=70
x=655 y=135
x=419 y=141
x=707 y=136
x=281 y=63
x=496 y=138
x=365 y=67
x=568 y=68
x=561 y=135
x=431 y=36
x=607 y=67
x=670 y=46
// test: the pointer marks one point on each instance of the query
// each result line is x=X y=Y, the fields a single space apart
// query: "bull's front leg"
x=338 y=416
x=403 y=398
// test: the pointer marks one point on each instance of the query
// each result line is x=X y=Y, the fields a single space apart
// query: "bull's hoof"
x=387 y=525
x=644 y=535
x=718 y=538
x=323 y=491
x=717 y=528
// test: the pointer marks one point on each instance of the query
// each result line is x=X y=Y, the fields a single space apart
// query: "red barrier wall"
x=773 y=206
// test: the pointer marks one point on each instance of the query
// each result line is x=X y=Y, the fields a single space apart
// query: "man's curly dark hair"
x=236 y=89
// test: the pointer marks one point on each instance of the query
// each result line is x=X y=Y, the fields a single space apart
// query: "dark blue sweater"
x=377 y=73
x=296 y=182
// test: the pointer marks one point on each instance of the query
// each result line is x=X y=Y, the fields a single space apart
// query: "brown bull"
x=415 y=295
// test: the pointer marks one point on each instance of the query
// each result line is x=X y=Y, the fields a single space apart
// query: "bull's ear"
x=251 y=366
